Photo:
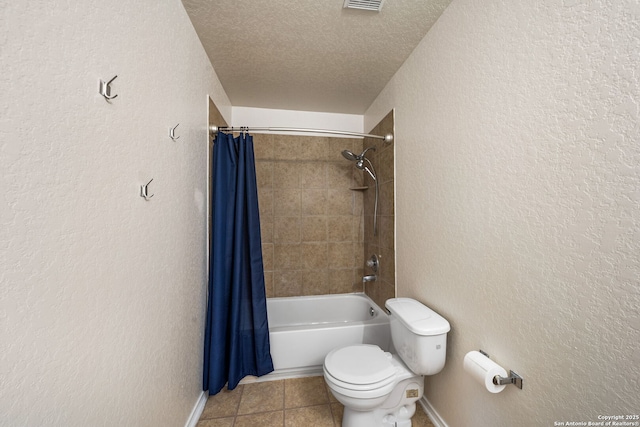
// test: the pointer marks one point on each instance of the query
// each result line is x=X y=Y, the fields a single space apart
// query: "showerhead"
x=356 y=158
x=360 y=159
x=349 y=156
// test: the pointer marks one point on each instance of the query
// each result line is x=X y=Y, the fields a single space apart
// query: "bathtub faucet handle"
x=373 y=263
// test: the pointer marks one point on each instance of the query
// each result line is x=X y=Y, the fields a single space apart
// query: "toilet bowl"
x=370 y=383
x=380 y=389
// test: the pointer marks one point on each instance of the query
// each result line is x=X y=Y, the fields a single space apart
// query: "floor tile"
x=264 y=419
x=316 y=416
x=300 y=402
x=420 y=419
x=223 y=404
x=262 y=397
x=332 y=398
x=216 y=422
x=309 y=391
x=337 y=410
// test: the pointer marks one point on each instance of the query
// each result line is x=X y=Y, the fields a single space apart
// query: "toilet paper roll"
x=482 y=369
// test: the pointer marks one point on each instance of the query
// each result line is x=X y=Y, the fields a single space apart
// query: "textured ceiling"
x=309 y=55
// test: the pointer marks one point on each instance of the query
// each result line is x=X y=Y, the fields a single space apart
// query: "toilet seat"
x=360 y=367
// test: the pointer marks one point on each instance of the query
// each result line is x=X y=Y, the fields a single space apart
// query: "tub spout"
x=370 y=278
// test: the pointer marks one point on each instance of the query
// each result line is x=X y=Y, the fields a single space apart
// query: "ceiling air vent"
x=374 y=5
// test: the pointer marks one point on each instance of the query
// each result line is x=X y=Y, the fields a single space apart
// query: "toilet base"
x=379 y=417
x=395 y=411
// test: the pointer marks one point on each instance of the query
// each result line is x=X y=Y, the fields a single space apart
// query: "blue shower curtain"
x=236 y=332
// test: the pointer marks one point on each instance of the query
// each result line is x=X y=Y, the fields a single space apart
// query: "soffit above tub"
x=308 y=55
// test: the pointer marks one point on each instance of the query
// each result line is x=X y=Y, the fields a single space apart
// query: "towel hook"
x=144 y=191
x=105 y=89
x=172 y=132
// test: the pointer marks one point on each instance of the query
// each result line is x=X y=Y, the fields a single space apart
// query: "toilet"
x=380 y=389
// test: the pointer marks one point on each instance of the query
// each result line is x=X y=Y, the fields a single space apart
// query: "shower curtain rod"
x=214 y=129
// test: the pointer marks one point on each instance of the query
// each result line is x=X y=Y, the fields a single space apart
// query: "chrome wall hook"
x=172 y=132
x=144 y=191
x=105 y=89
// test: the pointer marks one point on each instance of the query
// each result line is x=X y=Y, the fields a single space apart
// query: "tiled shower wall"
x=311 y=222
x=383 y=243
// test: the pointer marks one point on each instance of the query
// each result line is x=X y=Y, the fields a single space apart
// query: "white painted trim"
x=433 y=415
x=283 y=374
x=196 y=412
x=264 y=117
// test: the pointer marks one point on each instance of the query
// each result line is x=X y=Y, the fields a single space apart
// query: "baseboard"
x=283 y=374
x=194 y=417
x=433 y=415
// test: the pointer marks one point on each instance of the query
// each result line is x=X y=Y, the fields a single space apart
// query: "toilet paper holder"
x=513 y=378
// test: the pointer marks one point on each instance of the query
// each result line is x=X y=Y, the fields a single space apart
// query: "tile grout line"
x=235 y=415
x=284 y=400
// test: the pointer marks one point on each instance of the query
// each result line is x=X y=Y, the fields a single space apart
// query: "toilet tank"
x=419 y=335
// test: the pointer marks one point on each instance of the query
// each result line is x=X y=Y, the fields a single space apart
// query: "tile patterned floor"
x=298 y=402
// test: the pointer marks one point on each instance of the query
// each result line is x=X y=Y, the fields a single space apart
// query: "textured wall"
x=518 y=203
x=102 y=293
x=311 y=222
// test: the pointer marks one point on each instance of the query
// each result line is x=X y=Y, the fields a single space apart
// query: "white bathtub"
x=302 y=330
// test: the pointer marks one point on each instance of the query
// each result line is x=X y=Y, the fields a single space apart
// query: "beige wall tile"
x=286 y=175
x=340 y=175
x=340 y=202
x=385 y=202
x=314 y=202
x=266 y=229
x=337 y=145
x=263 y=146
x=341 y=255
x=268 y=284
x=314 y=255
x=340 y=229
x=383 y=243
x=267 y=256
x=265 y=202
x=286 y=229
x=307 y=212
x=315 y=148
x=313 y=175
x=287 y=202
x=286 y=147
x=264 y=174
x=286 y=256
x=287 y=283
x=314 y=229
x=315 y=282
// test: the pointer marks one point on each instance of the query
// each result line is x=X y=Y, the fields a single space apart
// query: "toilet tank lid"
x=416 y=317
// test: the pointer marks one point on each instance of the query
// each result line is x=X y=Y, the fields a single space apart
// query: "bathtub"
x=302 y=330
